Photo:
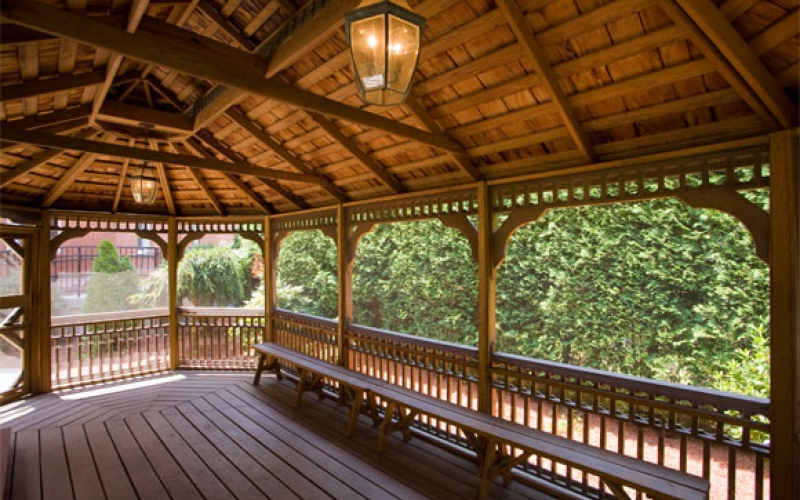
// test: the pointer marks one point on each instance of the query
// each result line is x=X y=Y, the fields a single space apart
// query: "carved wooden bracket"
x=15 y=247
x=66 y=235
x=356 y=232
x=186 y=241
x=516 y=218
x=155 y=238
x=754 y=218
x=462 y=224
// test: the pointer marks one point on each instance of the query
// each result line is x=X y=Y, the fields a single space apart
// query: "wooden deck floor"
x=192 y=435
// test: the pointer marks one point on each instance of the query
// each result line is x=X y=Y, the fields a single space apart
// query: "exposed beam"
x=733 y=47
x=462 y=160
x=784 y=29
x=258 y=201
x=133 y=116
x=284 y=153
x=68 y=177
x=376 y=168
x=75 y=144
x=201 y=181
x=39 y=87
x=121 y=184
x=38 y=160
x=166 y=45
x=225 y=151
x=14 y=34
x=522 y=30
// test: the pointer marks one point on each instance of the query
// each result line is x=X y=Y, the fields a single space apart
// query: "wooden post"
x=486 y=299
x=345 y=282
x=38 y=362
x=269 y=279
x=172 y=267
x=785 y=319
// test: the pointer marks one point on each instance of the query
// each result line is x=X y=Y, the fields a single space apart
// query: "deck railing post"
x=345 y=281
x=785 y=318
x=172 y=272
x=486 y=299
x=39 y=352
x=269 y=279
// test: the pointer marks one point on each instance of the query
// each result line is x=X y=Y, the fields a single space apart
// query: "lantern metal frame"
x=383 y=8
x=139 y=181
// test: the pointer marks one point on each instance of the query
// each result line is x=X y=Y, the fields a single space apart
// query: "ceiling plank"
x=225 y=151
x=76 y=144
x=730 y=43
x=244 y=122
x=169 y=46
x=376 y=168
x=524 y=33
x=39 y=87
x=38 y=160
x=781 y=31
x=258 y=201
x=67 y=179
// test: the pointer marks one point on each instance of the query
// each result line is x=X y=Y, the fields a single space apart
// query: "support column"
x=345 y=284
x=37 y=356
x=269 y=279
x=172 y=267
x=785 y=319
x=487 y=276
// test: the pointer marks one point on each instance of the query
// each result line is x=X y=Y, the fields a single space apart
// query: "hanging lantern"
x=384 y=39
x=144 y=186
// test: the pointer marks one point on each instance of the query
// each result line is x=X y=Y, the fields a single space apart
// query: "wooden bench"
x=490 y=436
x=312 y=372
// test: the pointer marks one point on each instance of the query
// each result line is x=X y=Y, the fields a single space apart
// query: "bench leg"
x=386 y=425
x=618 y=491
x=301 y=387
x=262 y=360
x=355 y=410
x=486 y=470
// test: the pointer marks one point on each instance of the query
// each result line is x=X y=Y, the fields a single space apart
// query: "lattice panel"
x=221 y=226
x=417 y=208
x=742 y=169
x=321 y=220
x=108 y=223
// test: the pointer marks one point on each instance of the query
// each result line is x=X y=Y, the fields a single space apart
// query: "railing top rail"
x=298 y=316
x=697 y=395
x=433 y=344
x=82 y=319
x=220 y=311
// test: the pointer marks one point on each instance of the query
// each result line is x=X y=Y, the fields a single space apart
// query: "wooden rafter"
x=258 y=201
x=38 y=160
x=39 y=87
x=123 y=175
x=137 y=11
x=522 y=30
x=198 y=177
x=76 y=144
x=210 y=11
x=163 y=180
x=160 y=43
x=284 y=153
x=365 y=159
x=730 y=43
x=66 y=179
x=225 y=151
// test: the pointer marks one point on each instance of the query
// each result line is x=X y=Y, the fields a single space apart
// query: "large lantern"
x=384 y=40
x=144 y=186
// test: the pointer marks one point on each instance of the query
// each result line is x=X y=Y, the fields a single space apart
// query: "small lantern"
x=144 y=186
x=384 y=39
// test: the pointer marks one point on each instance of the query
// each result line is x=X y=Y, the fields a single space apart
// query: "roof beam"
x=730 y=43
x=163 y=122
x=522 y=30
x=39 y=87
x=75 y=144
x=225 y=151
x=122 y=176
x=244 y=122
x=169 y=46
x=211 y=12
x=365 y=159
x=67 y=178
x=201 y=181
x=258 y=201
x=15 y=34
x=38 y=160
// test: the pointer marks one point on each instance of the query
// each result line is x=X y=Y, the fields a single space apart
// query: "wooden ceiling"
x=255 y=111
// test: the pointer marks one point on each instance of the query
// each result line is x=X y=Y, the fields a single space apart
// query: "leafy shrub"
x=113 y=281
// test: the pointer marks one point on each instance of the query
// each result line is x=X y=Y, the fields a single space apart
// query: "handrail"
x=80 y=319
x=438 y=345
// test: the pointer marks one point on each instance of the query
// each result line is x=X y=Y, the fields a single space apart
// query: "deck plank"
x=215 y=436
x=85 y=479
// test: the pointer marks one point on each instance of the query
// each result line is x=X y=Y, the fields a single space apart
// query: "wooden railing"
x=94 y=348
x=722 y=437
x=219 y=339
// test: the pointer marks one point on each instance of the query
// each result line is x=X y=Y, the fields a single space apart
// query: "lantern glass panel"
x=368 y=43
x=403 y=52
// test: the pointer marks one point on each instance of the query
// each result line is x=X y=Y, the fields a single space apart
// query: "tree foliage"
x=654 y=289
x=114 y=280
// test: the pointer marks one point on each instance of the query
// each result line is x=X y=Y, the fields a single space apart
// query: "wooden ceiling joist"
x=225 y=151
x=524 y=33
x=730 y=43
x=46 y=86
x=251 y=128
x=37 y=161
x=76 y=144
